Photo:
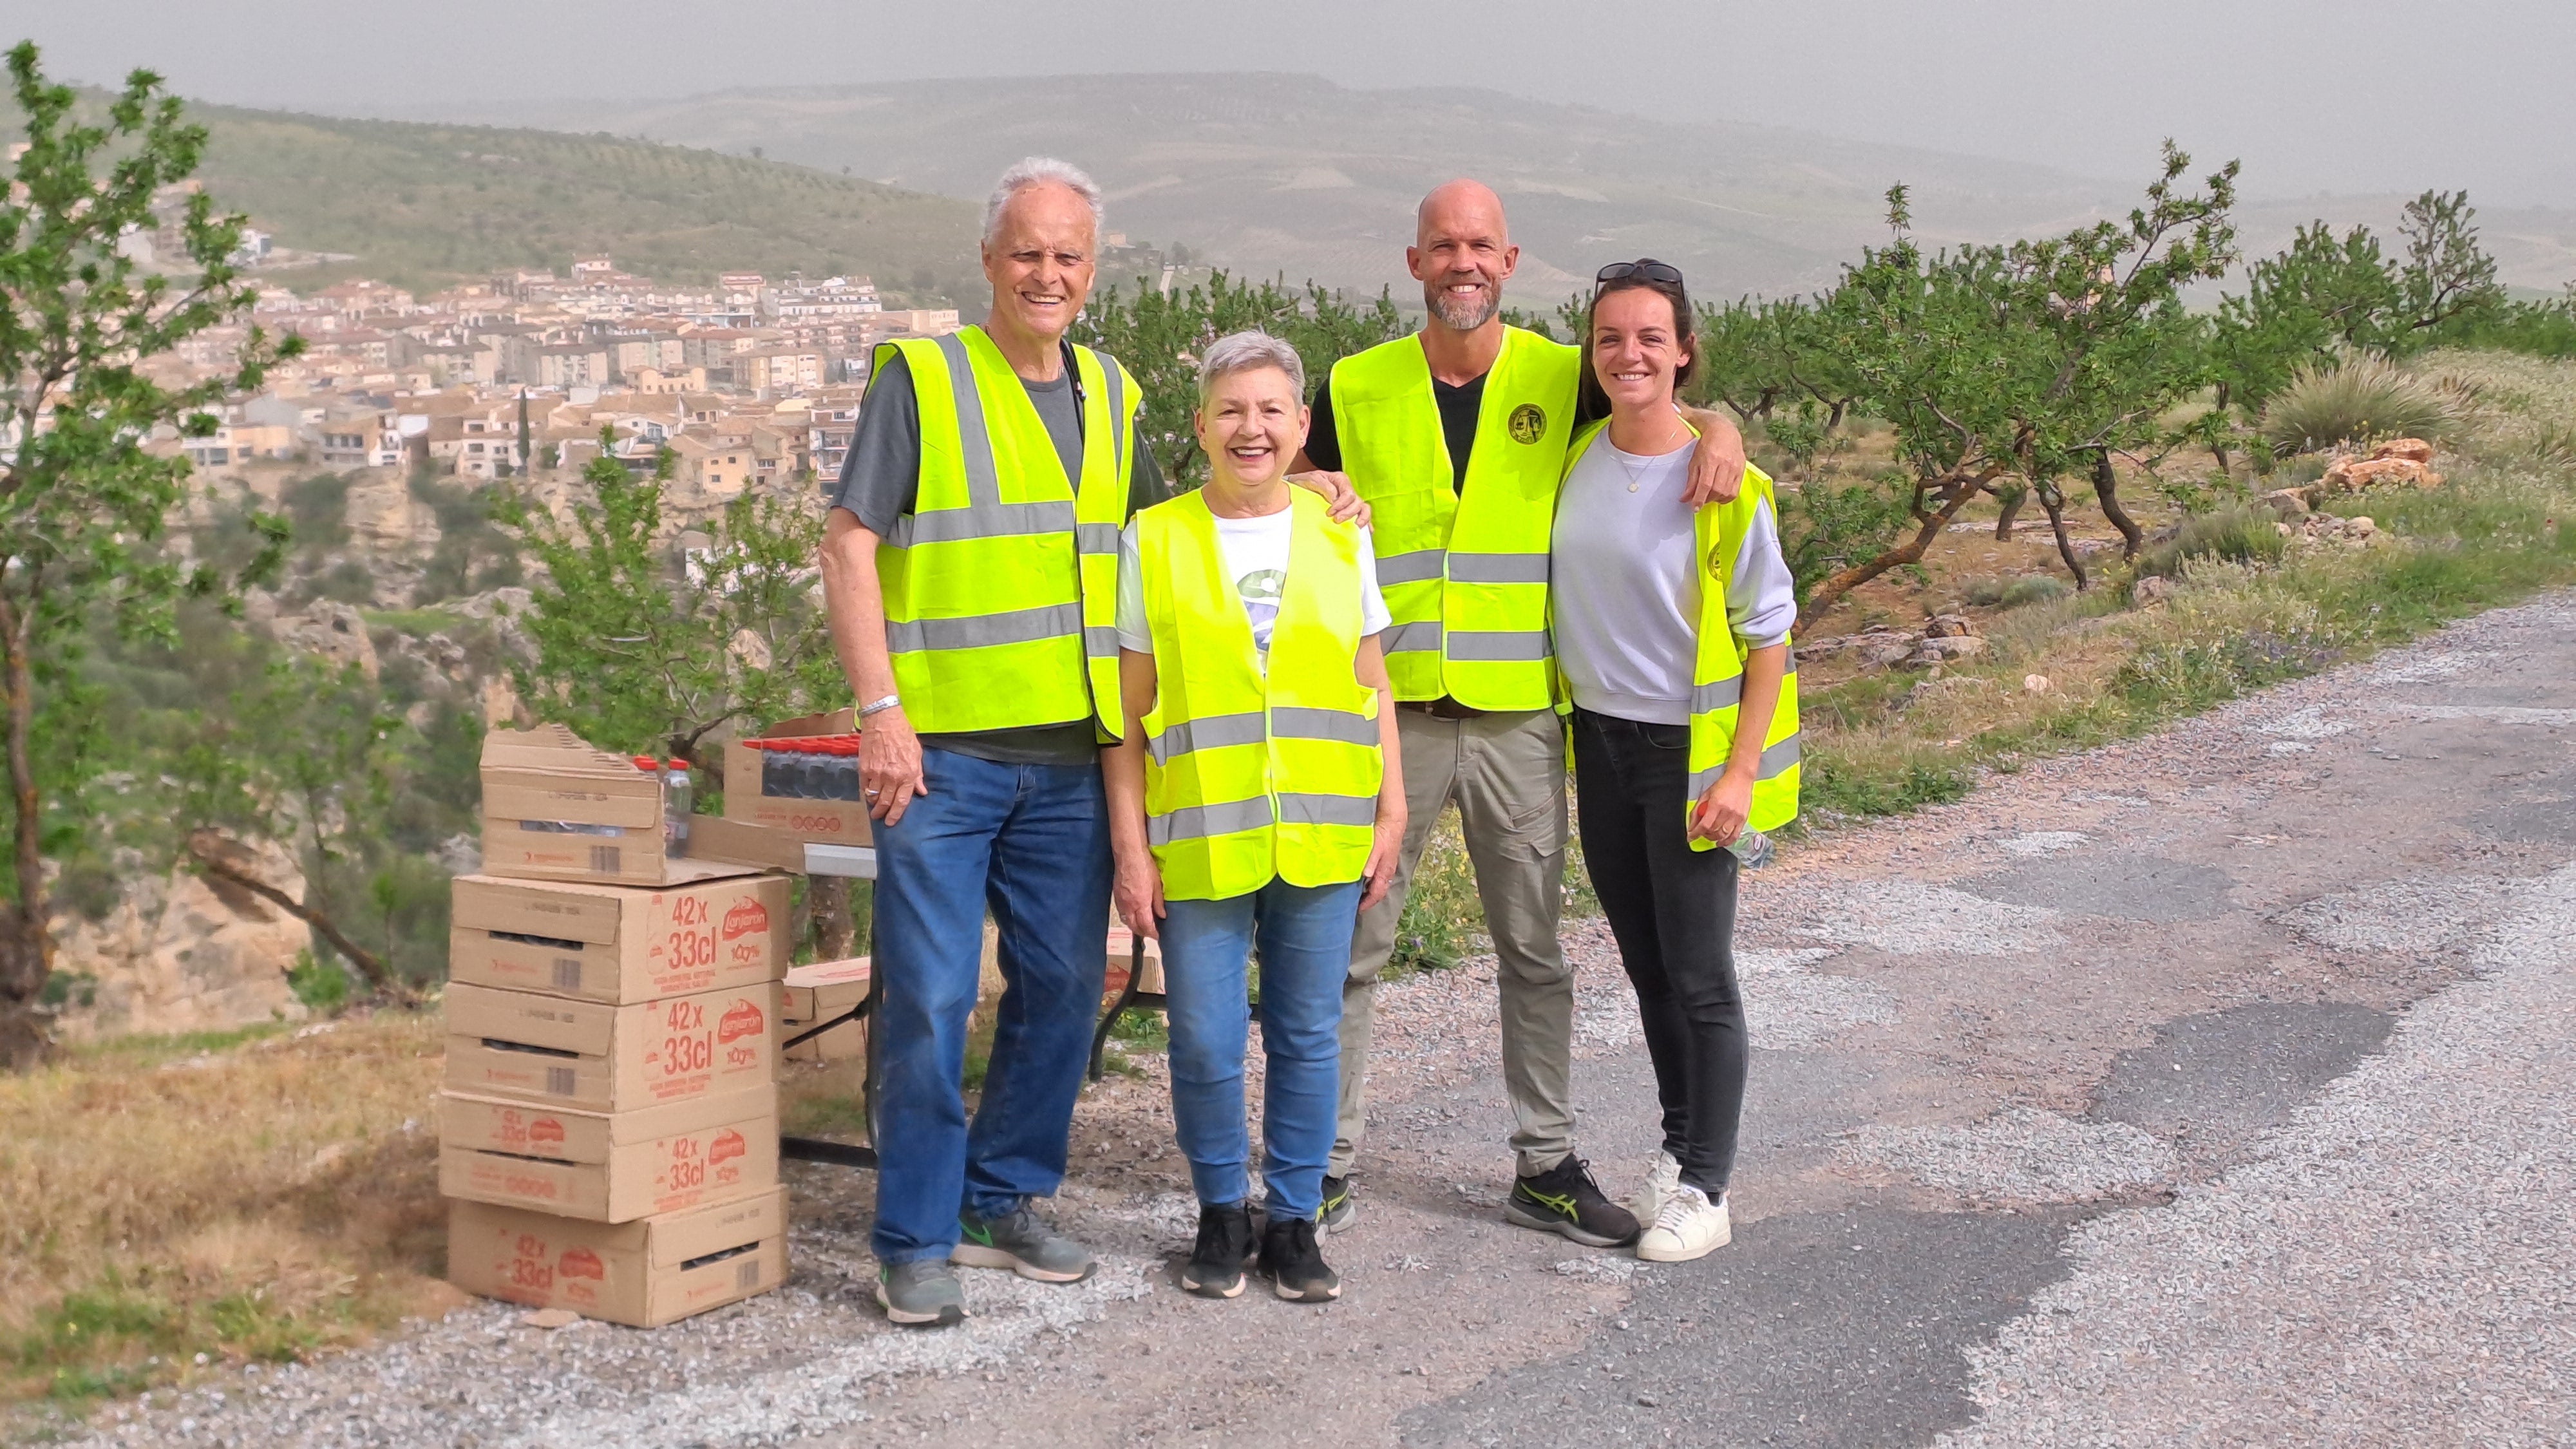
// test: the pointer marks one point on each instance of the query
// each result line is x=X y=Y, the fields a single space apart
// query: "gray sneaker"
x=921 y=1294
x=1021 y=1241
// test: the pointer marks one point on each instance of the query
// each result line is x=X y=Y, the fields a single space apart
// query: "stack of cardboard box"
x=610 y=1127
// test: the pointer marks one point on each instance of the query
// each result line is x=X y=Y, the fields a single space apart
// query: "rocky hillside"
x=404 y=576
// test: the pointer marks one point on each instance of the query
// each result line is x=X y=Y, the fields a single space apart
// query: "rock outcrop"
x=183 y=953
x=2406 y=461
x=333 y=630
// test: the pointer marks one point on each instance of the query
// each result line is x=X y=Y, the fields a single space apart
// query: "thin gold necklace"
x=1637 y=470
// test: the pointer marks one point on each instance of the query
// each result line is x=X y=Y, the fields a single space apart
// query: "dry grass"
x=240 y=1198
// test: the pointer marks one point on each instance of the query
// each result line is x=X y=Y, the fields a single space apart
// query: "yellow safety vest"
x=1464 y=570
x=1717 y=677
x=1250 y=777
x=1001 y=585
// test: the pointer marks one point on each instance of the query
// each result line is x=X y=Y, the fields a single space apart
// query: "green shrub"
x=2033 y=589
x=2002 y=592
x=2233 y=535
x=323 y=986
x=2354 y=400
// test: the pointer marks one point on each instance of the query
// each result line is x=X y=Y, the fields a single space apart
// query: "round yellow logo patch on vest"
x=1528 y=423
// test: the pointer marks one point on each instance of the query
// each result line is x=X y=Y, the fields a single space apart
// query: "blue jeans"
x=1031 y=842
x=1304 y=933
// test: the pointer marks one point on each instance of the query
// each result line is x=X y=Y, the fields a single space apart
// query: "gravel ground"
x=1953 y=1018
x=2403 y=1254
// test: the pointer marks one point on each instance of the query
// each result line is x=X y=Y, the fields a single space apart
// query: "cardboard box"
x=646 y=1273
x=713 y=837
x=823 y=822
x=820 y=992
x=595 y=1057
x=557 y=808
x=608 y=1167
x=617 y=944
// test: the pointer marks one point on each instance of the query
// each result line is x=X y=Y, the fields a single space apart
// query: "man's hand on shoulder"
x=1717 y=463
x=1347 y=506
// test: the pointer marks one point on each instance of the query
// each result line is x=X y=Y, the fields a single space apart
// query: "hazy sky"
x=2340 y=95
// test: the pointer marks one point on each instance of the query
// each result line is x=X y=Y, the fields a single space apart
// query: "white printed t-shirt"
x=1256 y=554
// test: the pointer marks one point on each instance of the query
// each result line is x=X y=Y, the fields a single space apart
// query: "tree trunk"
x=26 y=946
x=2053 y=503
x=216 y=855
x=2106 y=489
x=2013 y=499
x=1831 y=591
x=829 y=897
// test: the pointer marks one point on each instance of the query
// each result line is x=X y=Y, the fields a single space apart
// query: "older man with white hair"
x=971 y=567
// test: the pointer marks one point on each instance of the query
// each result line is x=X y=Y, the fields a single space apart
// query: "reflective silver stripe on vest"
x=979 y=631
x=983 y=484
x=1775 y=762
x=1420 y=566
x=1498 y=646
x=1423 y=637
x=984 y=520
x=1496 y=568
x=1211 y=732
x=1728 y=693
x=1092 y=537
x=1118 y=429
x=1098 y=641
x=1197 y=822
x=1724 y=694
x=1777 y=758
x=1327 y=809
x=1300 y=722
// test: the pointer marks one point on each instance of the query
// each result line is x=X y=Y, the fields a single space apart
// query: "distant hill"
x=1284 y=173
x=1288 y=173
x=420 y=204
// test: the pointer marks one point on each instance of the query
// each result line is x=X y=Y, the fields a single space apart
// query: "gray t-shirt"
x=881 y=478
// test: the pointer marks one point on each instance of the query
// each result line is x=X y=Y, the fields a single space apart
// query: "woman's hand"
x=1386 y=848
x=1140 y=893
x=1722 y=811
x=890 y=765
x=1343 y=503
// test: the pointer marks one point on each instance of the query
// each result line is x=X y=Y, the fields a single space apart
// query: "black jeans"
x=1672 y=909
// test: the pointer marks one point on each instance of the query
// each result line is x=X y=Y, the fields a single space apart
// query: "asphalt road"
x=2212 y=1088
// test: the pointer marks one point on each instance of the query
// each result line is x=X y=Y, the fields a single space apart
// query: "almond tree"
x=82 y=504
x=2098 y=342
x=1920 y=336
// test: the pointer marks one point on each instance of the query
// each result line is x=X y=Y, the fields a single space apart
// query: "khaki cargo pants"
x=1507 y=774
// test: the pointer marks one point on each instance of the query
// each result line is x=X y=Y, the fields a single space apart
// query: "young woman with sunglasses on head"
x=1672 y=626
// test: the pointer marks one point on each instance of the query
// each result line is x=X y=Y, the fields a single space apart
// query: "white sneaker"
x=1661 y=1179
x=1690 y=1226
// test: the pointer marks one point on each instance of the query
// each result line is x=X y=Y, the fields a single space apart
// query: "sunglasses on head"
x=1646 y=267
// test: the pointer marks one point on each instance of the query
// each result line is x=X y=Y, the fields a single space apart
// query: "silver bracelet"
x=880 y=706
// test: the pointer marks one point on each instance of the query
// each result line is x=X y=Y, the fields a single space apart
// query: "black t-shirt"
x=881 y=479
x=1459 y=406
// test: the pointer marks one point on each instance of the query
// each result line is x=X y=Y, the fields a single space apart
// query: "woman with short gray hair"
x=1256 y=799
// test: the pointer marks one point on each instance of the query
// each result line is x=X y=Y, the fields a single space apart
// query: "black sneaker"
x=1340 y=1208
x=1295 y=1266
x=1565 y=1200
x=1215 y=1268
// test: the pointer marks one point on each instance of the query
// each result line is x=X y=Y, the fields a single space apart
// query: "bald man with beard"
x=1456 y=436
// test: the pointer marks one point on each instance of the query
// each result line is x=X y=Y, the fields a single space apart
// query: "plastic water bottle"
x=1753 y=849
x=678 y=795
